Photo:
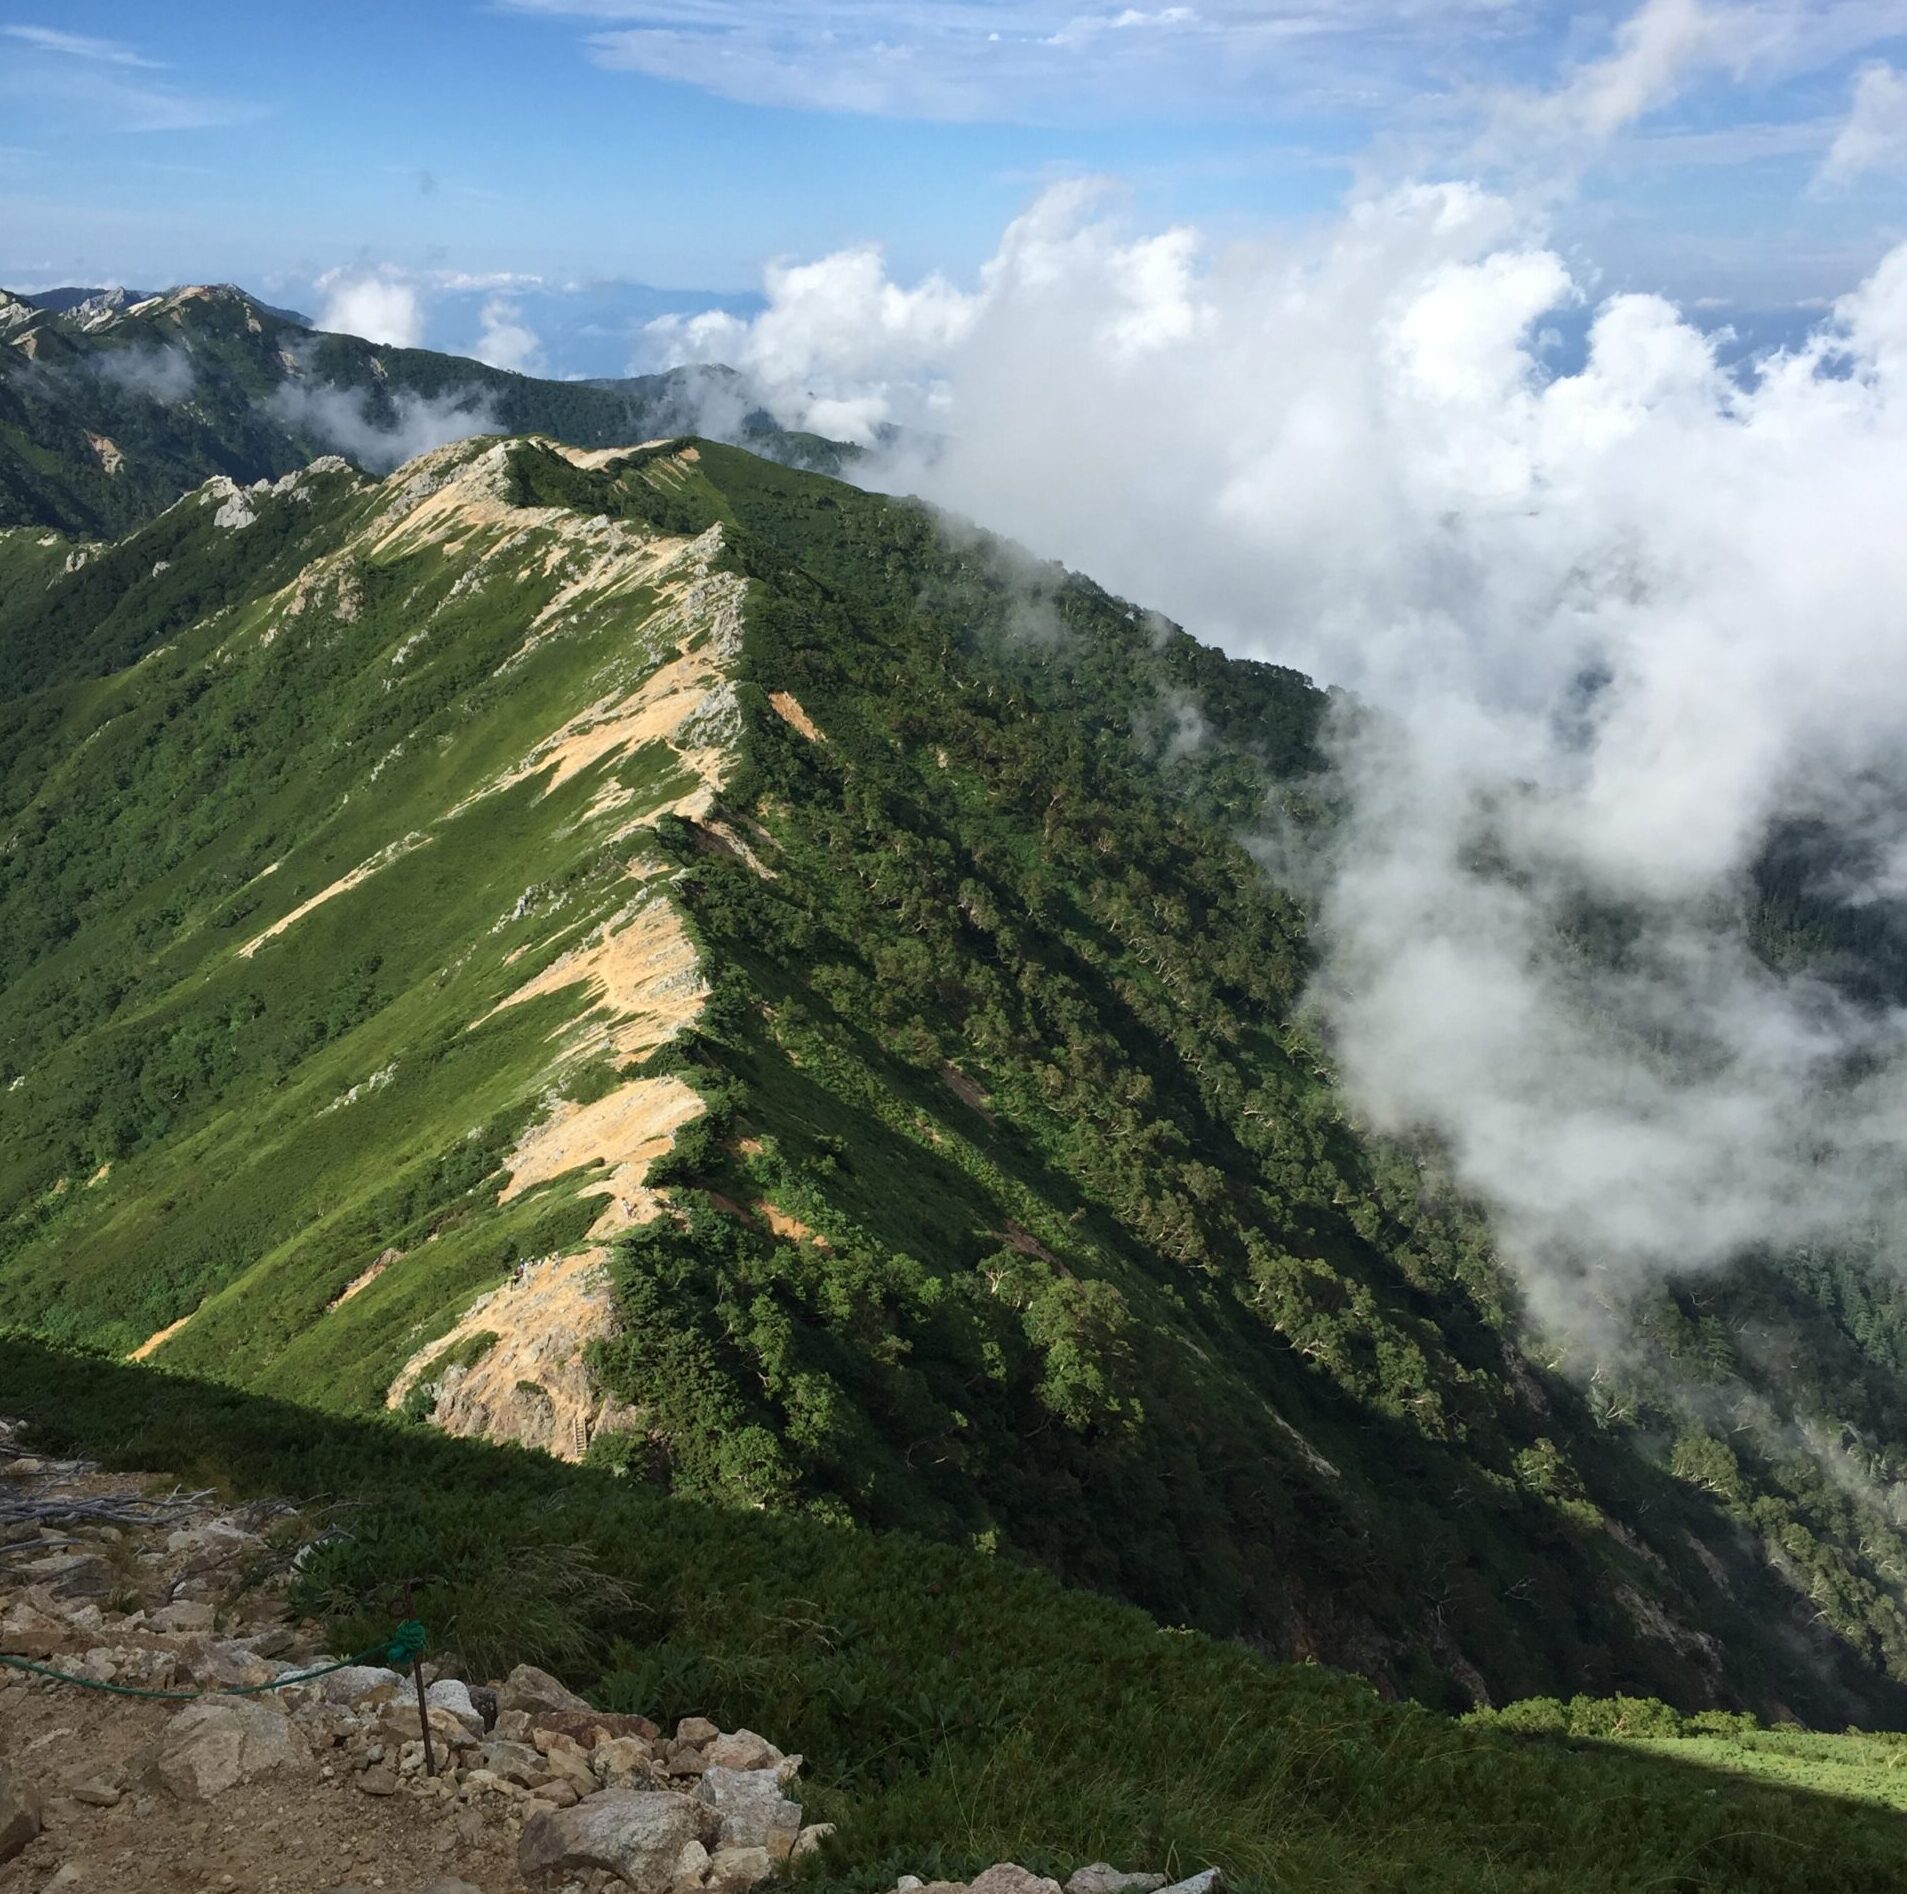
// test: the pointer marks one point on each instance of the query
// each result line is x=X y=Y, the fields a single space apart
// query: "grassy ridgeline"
x=955 y=1708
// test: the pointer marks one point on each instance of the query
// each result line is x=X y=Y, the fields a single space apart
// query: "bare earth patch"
x=626 y=1131
x=645 y=976
x=158 y=1340
x=533 y=1385
x=964 y=1089
x=783 y=1225
x=358 y=875
x=788 y=708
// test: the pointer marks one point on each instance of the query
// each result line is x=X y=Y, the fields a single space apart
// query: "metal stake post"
x=417 y=1677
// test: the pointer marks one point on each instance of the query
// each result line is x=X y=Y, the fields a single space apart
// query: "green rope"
x=399 y=1650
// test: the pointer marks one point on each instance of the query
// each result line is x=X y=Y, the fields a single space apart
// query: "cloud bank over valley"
x=1623 y=624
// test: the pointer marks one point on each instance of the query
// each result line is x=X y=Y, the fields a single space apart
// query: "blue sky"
x=1753 y=153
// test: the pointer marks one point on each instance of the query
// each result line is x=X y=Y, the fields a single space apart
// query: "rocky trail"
x=321 y=1786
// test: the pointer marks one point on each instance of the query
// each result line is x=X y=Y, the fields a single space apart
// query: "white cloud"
x=93 y=82
x=380 y=306
x=834 y=335
x=161 y=373
x=994 y=59
x=1420 y=68
x=1656 y=48
x=454 y=280
x=342 y=419
x=1874 y=136
x=52 y=39
x=1617 y=626
x=506 y=340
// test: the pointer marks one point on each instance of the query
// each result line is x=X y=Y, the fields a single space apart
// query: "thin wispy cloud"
x=98 y=84
x=1874 y=137
x=1063 y=61
x=53 y=39
x=981 y=60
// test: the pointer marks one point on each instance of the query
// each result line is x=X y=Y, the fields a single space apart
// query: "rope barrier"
x=399 y=1651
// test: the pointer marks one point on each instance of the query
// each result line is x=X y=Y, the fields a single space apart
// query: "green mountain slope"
x=111 y=410
x=406 y=880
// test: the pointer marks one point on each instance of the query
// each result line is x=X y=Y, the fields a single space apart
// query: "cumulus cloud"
x=506 y=340
x=1874 y=136
x=344 y=419
x=1613 y=633
x=380 y=306
x=839 y=342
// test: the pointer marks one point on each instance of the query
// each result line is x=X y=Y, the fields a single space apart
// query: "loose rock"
x=19 y=1813
x=753 y=1813
x=211 y=1745
x=527 y=1688
x=732 y=1869
x=1101 y=1877
x=452 y=1695
x=361 y=1683
x=743 y=1750
x=690 y=1866
x=1204 y=1883
x=638 y=1835
x=1010 y=1878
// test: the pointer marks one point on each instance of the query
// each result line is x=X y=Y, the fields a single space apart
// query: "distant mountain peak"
x=203 y=378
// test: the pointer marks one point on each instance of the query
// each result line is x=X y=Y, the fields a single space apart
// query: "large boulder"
x=751 y=1810
x=19 y=1813
x=527 y=1688
x=211 y=1745
x=638 y=1834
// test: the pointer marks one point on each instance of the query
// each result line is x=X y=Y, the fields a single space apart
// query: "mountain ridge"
x=114 y=408
x=1015 y=1206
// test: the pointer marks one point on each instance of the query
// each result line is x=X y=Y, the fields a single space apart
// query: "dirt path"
x=319 y=1786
